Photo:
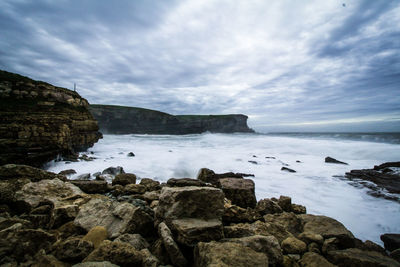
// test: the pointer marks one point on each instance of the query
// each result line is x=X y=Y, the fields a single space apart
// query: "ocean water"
x=316 y=184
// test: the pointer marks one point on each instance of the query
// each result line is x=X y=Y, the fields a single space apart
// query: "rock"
x=190 y=202
x=314 y=247
x=91 y=186
x=207 y=176
x=267 y=206
x=239 y=191
x=287 y=169
x=117 y=218
x=288 y=220
x=135 y=240
x=309 y=237
x=311 y=259
x=332 y=160
x=95 y=264
x=132 y=189
x=159 y=251
x=268 y=245
x=328 y=227
x=330 y=244
x=298 y=209
x=253 y=162
x=43 y=260
x=73 y=249
x=149 y=260
x=14 y=171
x=119 y=253
x=356 y=257
x=236 y=214
x=41 y=121
x=171 y=247
x=185 y=182
x=151 y=196
x=67 y=172
x=395 y=254
x=292 y=245
x=85 y=176
x=70 y=229
x=96 y=235
x=371 y=246
x=113 y=170
x=63 y=214
x=289 y=261
x=131 y=154
x=150 y=184
x=124 y=179
x=391 y=241
x=285 y=203
x=190 y=231
x=227 y=254
x=105 y=177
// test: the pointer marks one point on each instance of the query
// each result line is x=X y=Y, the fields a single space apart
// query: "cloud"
x=280 y=62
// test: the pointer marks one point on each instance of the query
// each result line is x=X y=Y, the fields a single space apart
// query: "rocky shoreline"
x=214 y=220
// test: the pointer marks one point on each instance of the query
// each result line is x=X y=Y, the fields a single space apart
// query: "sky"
x=289 y=65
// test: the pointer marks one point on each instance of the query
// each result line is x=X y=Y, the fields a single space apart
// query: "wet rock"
x=91 y=186
x=328 y=227
x=96 y=235
x=292 y=245
x=311 y=259
x=285 y=203
x=73 y=249
x=150 y=184
x=117 y=218
x=185 y=182
x=67 y=172
x=268 y=245
x=267 y=206
x=332 y=160
x=239 y=191
x=118 y=253
x=287 y=169
x=131 y=154
x=190 y=202
x=85 y=176
x=253 y=162
x=113 y=170
x=391 y=241
x=387 y=165
x=207 y=176
x=356 y=257
x=190 y=231
x=135 y=240
x=227 y=254
x=124 y=179
x=171 y=247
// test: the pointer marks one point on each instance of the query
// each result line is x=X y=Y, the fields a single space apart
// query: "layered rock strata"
x=39 y=121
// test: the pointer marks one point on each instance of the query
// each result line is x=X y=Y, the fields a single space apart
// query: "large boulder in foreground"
x=118 y=218
x=240 y=191
x=227 y=254
x=40 y=121
x=360 y=258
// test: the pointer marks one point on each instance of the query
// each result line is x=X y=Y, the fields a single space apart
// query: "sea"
x=319 y=186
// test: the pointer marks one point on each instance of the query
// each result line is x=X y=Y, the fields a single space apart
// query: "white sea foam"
x=313 y=185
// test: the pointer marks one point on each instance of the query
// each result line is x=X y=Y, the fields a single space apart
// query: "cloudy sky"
x=289 y=65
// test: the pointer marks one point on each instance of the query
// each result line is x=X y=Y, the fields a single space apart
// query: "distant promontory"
x=133 y=120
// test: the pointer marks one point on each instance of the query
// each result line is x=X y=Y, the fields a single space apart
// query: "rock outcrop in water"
x=127 y=120
x=47 y=221
x=39 y=121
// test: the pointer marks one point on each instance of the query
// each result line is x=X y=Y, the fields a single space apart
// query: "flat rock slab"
x=239 y=191
x=190 y=231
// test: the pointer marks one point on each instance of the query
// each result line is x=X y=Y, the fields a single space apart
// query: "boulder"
x=135 y=240
x=227 y=254
x=332 y=160
x=314 y=247
x=149 y=260
x=268 y=245
x=330 y=244
x=117 y=218
x=391 y=241
x=327 y=228
x=84 y=176
x=207 y=176
x=189 y=202
x=67 y=172
x=124 y=179
x=311 y=259
x=292 y=245
x=286 y=169
x=63 y=214
x=236 y=214
x=239 y=191
x=289 y=261
x=73 y=249
x=96 y=235
x=131 y=154
x=118 y=253
x=185 y=182
x=175 y=254
x=190 y=231
x=91 y=186
x=298 y=209
x=95 y=264
x=309 y=237
x=288 y=220
x=356 y=257
x=285 y=203
x=113 y=170
x=267 y=206
x=14 y=171
x=150 y=184
x=395 y=254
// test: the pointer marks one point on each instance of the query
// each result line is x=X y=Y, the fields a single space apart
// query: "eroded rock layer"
x=39 y=121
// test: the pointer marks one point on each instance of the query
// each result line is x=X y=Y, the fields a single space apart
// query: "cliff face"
x=39 y=121
x=126 y=120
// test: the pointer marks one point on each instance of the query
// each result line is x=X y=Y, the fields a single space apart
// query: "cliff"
x=39 y=121
x=126 y=120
